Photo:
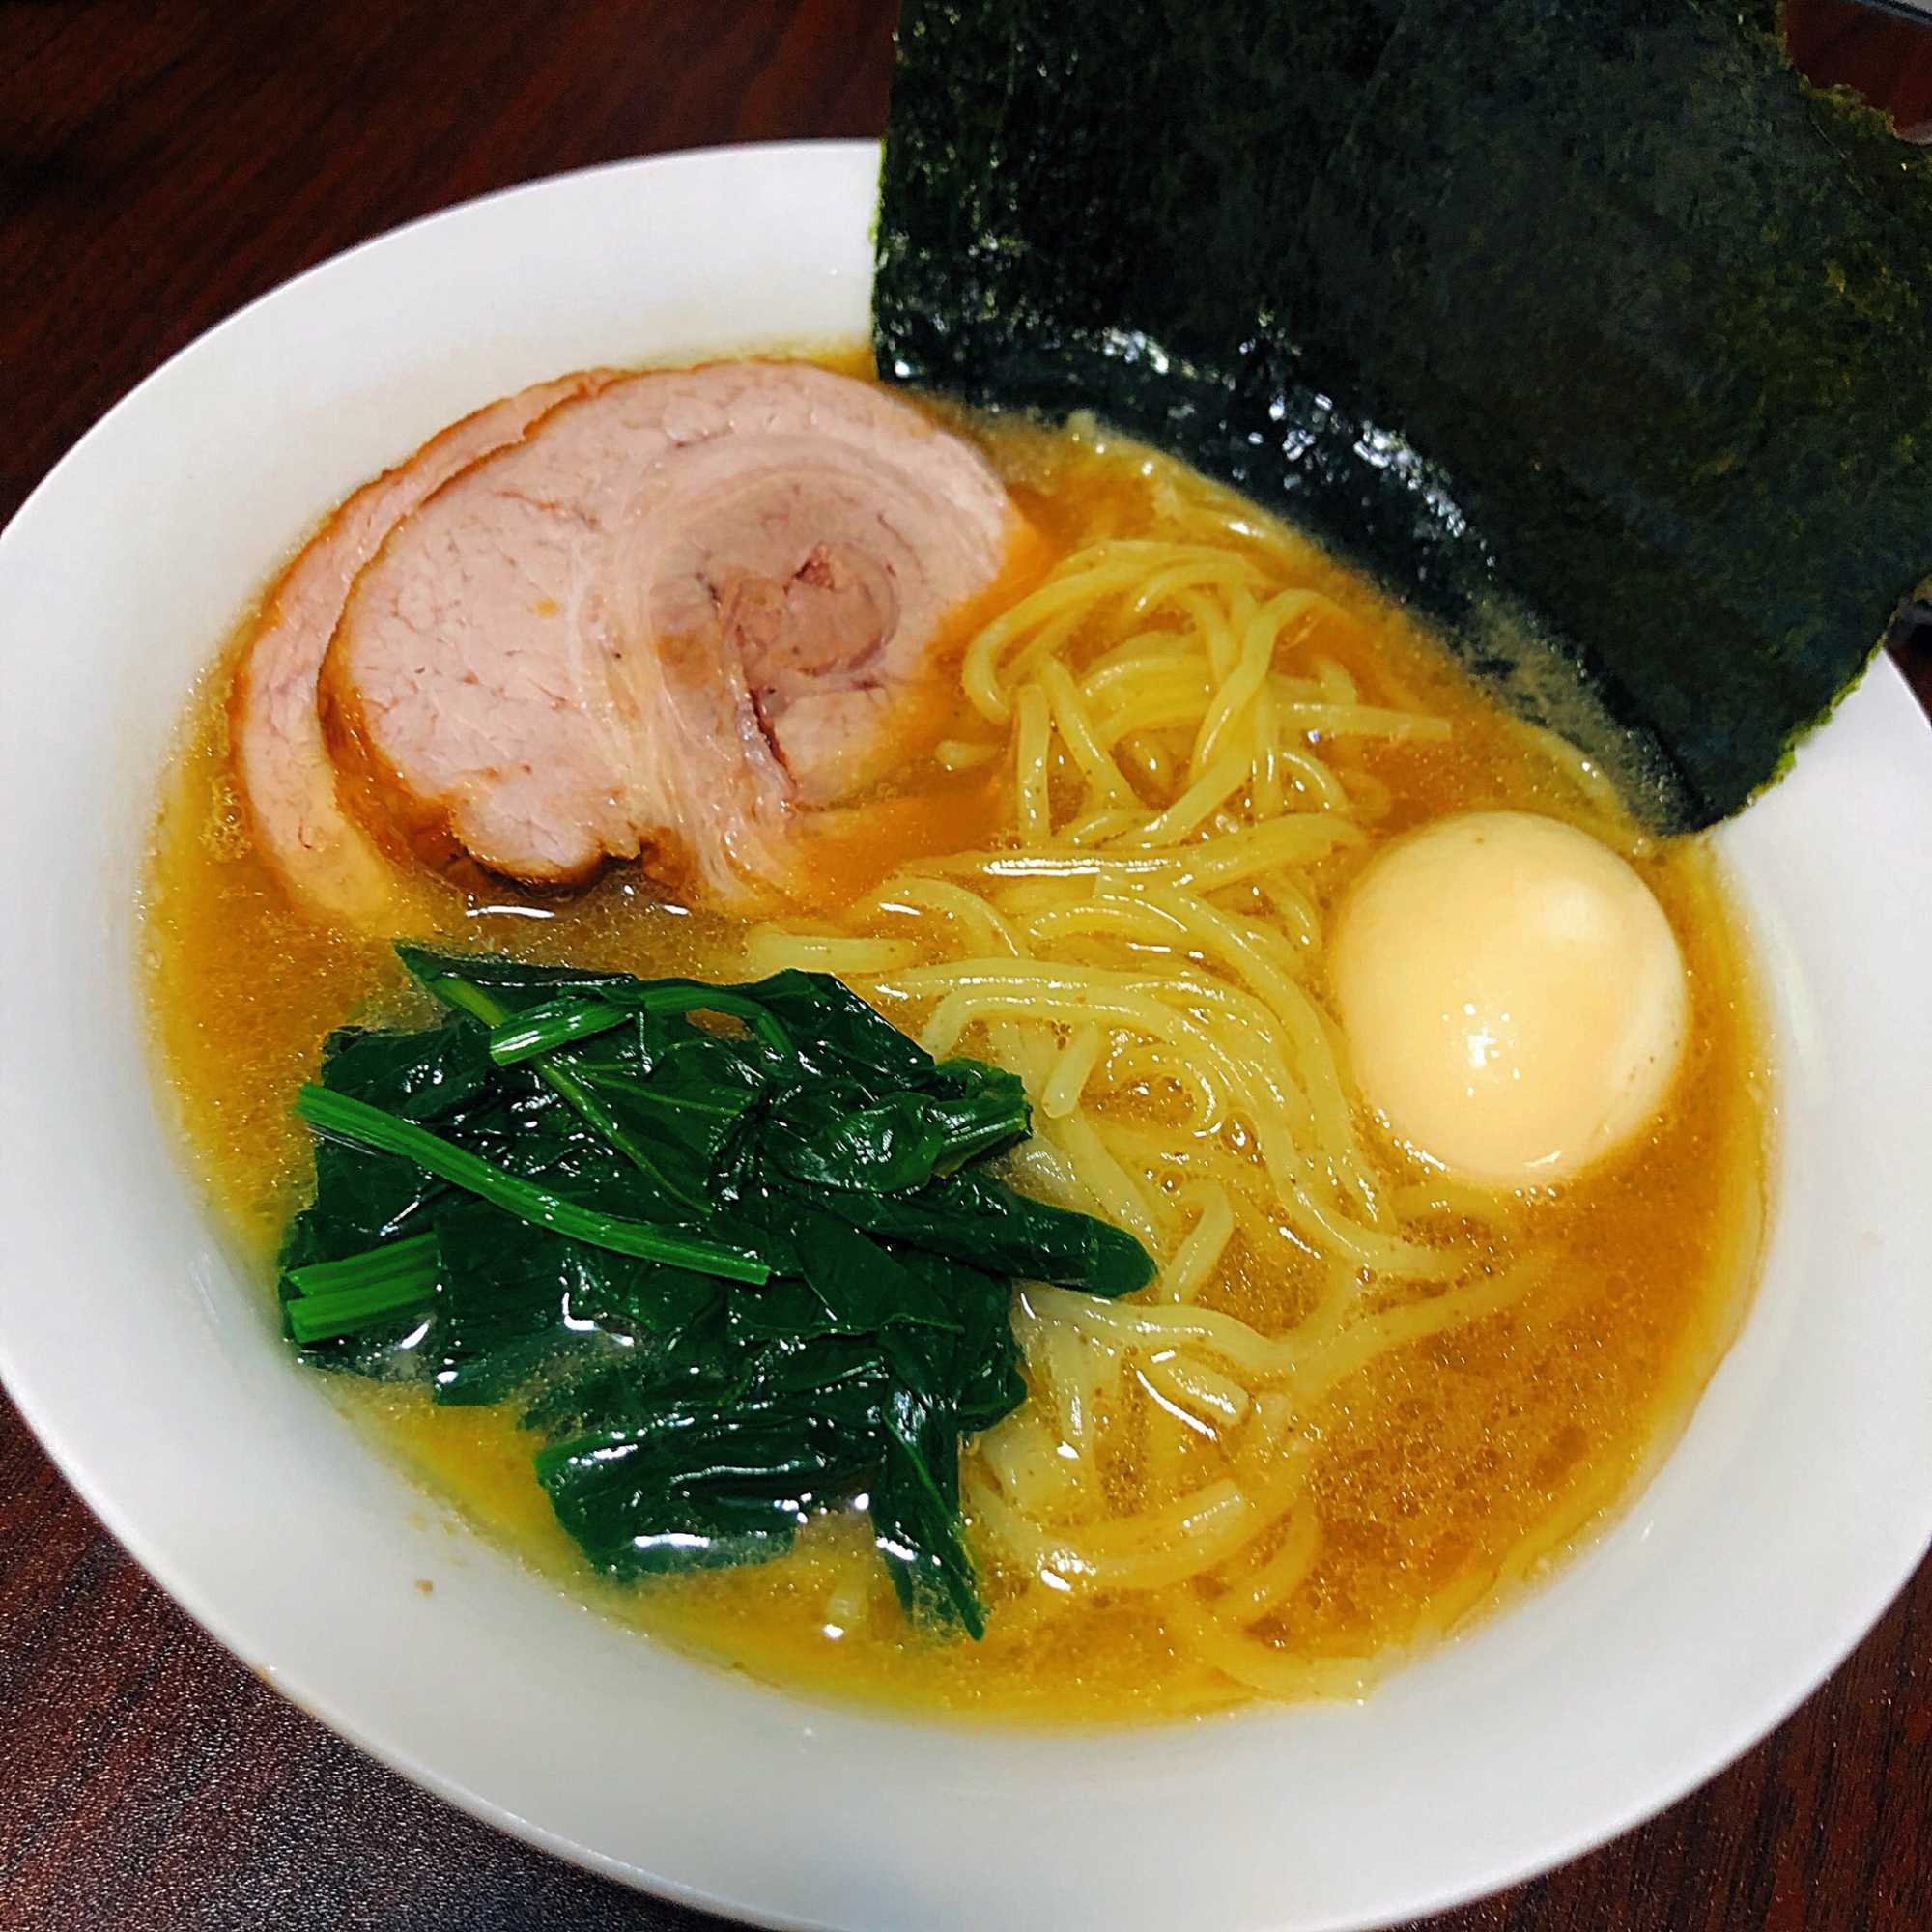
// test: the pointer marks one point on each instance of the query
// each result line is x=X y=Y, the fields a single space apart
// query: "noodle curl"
x=1141 y=957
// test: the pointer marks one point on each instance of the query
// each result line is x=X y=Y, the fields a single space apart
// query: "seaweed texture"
x=1588 y=329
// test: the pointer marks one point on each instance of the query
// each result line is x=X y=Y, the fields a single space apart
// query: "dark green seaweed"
x=1584 y=326
x=732 y=1250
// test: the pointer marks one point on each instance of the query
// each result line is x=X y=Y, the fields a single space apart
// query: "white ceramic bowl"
x=1797 y=1503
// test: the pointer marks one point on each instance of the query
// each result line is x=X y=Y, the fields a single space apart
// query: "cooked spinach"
x=732 y=1249
x=1584 y=326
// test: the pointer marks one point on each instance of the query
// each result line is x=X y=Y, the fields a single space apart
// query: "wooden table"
x=161 y=163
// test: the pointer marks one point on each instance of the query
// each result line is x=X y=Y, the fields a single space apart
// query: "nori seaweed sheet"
x=1589 y=330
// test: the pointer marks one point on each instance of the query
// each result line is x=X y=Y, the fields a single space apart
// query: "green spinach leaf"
x=726 y=1247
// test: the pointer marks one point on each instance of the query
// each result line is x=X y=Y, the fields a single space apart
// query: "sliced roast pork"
x=286 y=770
x=685 y=606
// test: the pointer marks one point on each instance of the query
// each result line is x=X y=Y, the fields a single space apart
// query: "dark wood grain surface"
x=162 y=162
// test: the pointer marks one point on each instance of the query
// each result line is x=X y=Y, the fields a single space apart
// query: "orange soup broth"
x=1445 y=1474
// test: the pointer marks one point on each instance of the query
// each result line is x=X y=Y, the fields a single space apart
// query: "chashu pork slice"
x=684 y=608
x=287 y=773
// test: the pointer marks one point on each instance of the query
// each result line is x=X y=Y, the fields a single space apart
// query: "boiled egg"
x=1511 y=993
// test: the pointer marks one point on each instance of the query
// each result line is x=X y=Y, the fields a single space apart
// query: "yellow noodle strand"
x=1144 y=968
x=1195 y=1260
x=1076 y=730
x=1216 y=1399
x=1237 y=691
x=1070 y=1075
x=1031 y=742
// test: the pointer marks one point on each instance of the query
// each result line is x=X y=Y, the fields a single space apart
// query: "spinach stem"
x=468 y=998
x=672 y=997
x=334 y=1299
x=554 y=1023
x=346 y=1311
x=392 y=1262
x=481 y=1004
x=969 y=1139
x=356 y=1121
